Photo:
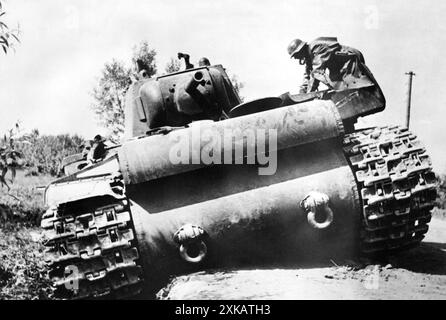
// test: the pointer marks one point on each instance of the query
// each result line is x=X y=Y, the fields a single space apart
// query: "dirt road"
x=419 y=273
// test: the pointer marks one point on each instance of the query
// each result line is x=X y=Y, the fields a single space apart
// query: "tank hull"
x=261 y=226
x=125 y=225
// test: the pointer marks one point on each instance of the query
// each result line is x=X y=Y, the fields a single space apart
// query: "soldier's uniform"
x=98 y=151
x=342 y=69
x=337 y=66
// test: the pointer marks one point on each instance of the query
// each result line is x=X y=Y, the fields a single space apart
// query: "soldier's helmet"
x=295 y=47
x=98 y=138
x=204 y=62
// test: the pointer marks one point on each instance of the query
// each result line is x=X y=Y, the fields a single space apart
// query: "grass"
x=22 y=268
x=24 y=202
x=23 y=273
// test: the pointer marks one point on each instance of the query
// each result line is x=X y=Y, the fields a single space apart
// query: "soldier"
x=97 y=152
x=204 y=62
x=346 y=67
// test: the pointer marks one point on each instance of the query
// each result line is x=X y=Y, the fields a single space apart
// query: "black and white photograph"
x=245 y=151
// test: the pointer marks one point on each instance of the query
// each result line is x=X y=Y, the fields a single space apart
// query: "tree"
x=109 y=94
x=173 y=65
x=146 y=56
x=238 y=86
x=44 y=153
x=7 y=36
x=10 y=157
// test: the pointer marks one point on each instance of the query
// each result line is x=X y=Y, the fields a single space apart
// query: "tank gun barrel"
x=194 y=82
x=191 y=87
x=139 y=159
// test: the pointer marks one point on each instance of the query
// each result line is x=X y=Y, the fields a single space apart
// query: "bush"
x=24 y=202
x=43 y=154
x=440 y=210
x=441 y=192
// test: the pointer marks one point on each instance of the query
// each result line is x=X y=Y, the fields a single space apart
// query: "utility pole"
x=409 y=97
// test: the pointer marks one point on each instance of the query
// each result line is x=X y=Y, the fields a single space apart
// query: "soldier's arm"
x=306 y=80
x=313 y=84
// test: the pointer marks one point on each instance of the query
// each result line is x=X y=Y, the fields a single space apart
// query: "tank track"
x=396 y=184
x=91 y=249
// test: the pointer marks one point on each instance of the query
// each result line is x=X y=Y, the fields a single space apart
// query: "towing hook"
x=319 y=214
x=193 y=252
x=192 y=247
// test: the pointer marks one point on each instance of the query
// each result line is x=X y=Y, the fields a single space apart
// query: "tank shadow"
x=160 y=286
x=429 y=257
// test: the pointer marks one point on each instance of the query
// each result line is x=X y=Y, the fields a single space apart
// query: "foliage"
x=109 y=98
x=238 y=86
x=146 y=55
x=441 y=196
x=41 y=154
x=24 y=202
x=173 y=65
x=109 y=94
x=440 y=203
x=23 y=273
x=44 y=153
x=8 y=37
x=10 y=158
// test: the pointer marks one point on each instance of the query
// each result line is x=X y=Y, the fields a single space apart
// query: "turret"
x=179 y=98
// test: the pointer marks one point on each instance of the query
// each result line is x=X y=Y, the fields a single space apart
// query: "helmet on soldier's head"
x=295 y=47
x=98 y=138
x=204 y=62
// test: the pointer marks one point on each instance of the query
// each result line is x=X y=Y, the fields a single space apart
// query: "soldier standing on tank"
x=337 y=66
x=98 y=151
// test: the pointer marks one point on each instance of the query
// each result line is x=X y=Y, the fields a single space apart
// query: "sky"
x=47 y=82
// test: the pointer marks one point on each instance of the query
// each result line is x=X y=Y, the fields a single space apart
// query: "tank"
x=204 y=181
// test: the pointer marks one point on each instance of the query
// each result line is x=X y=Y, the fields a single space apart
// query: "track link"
x=397 y=187
x=91 y=249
